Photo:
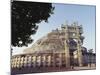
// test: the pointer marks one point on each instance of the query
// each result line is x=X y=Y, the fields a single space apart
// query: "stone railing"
x=38 y=60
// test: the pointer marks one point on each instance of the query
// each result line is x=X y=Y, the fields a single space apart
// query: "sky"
x=83 y=14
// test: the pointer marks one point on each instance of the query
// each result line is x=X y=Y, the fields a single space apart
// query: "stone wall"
x=38 y=60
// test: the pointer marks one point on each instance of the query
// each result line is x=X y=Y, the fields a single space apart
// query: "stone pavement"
x=84 y=68
x=50 y=69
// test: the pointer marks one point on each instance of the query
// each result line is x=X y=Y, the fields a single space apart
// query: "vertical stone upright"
x=39 y=61
x=67 y=55
x=79 y=46
x=79 y=55
x=49 y=60
x=54 y=59
x=60 y=59
x=44 y=60
x=34 y=61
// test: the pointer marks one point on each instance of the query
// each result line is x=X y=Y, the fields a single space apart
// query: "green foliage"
x=24 y=17
x=90 y=50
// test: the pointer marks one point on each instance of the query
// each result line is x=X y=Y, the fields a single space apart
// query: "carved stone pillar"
x=79 y=47
x=60 y=59
x=34 y=61
x=67 y=55
x=49 y=60
x=44 y=60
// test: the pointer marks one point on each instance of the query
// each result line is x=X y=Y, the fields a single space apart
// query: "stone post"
x=60 y=61
x=44 y=60
x=79 y=47
x=79 y=56
x=67 y=55
x=49 y=60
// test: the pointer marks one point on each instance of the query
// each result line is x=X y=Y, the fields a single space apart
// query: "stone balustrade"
x=37 y=60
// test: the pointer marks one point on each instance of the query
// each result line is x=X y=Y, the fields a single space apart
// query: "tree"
x=90 y=51
x=24 y=19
